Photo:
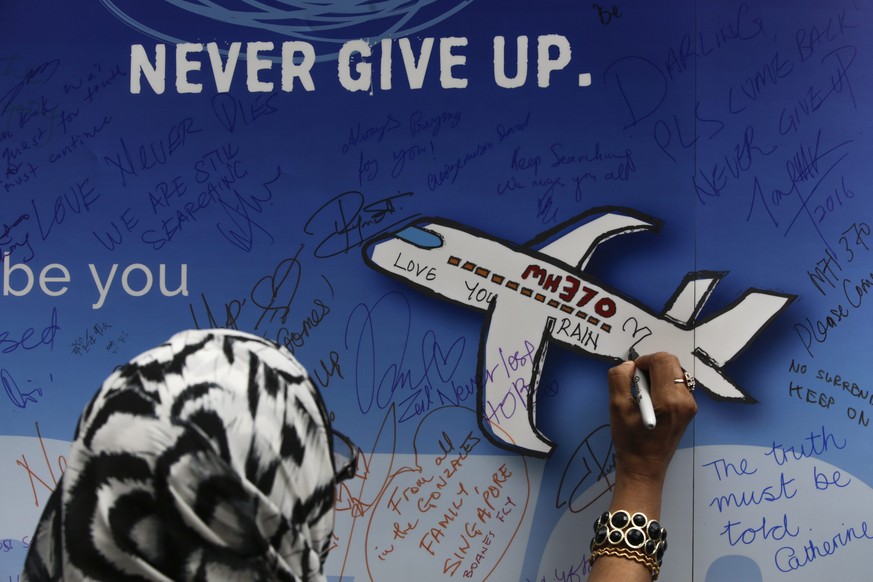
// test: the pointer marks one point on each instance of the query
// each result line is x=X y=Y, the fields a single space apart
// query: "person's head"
x=210 y=457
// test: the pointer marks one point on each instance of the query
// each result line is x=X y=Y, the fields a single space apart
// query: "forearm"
x=612 y=568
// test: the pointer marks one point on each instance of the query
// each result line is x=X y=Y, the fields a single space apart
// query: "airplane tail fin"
x=723 y=336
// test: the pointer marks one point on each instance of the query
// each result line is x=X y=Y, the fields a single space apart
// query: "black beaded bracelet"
x=635 y=537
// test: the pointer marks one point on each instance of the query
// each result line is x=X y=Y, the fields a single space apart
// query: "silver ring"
x=688 y=380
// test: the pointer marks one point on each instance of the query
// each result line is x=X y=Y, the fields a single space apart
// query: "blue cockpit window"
x=420 y=237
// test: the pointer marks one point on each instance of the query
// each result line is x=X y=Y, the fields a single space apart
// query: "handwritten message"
x=454 y=514
x=785 y=505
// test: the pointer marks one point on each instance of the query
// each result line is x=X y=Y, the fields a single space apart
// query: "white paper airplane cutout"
x=537 y=293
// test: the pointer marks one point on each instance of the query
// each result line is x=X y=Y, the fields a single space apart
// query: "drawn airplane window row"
x=528 y=292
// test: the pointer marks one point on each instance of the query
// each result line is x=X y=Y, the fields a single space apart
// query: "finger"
x=652 y=363
x=620 y=380
x=662 y=367
x=664 y=370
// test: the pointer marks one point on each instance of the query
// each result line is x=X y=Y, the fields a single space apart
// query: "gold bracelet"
x=647 y=561
x=635 y=537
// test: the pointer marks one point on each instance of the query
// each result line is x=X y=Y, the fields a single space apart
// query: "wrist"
x=637 y=493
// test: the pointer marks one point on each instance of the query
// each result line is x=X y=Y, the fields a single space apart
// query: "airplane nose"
x=420 y=237
x=409 y=235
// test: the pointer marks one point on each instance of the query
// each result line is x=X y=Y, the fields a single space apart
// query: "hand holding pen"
x=662 y=402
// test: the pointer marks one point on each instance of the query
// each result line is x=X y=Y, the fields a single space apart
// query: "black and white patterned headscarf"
x=206 y=458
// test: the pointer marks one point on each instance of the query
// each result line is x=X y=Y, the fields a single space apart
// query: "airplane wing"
x=685 y=305
x=576 y=246
x=511 y=353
